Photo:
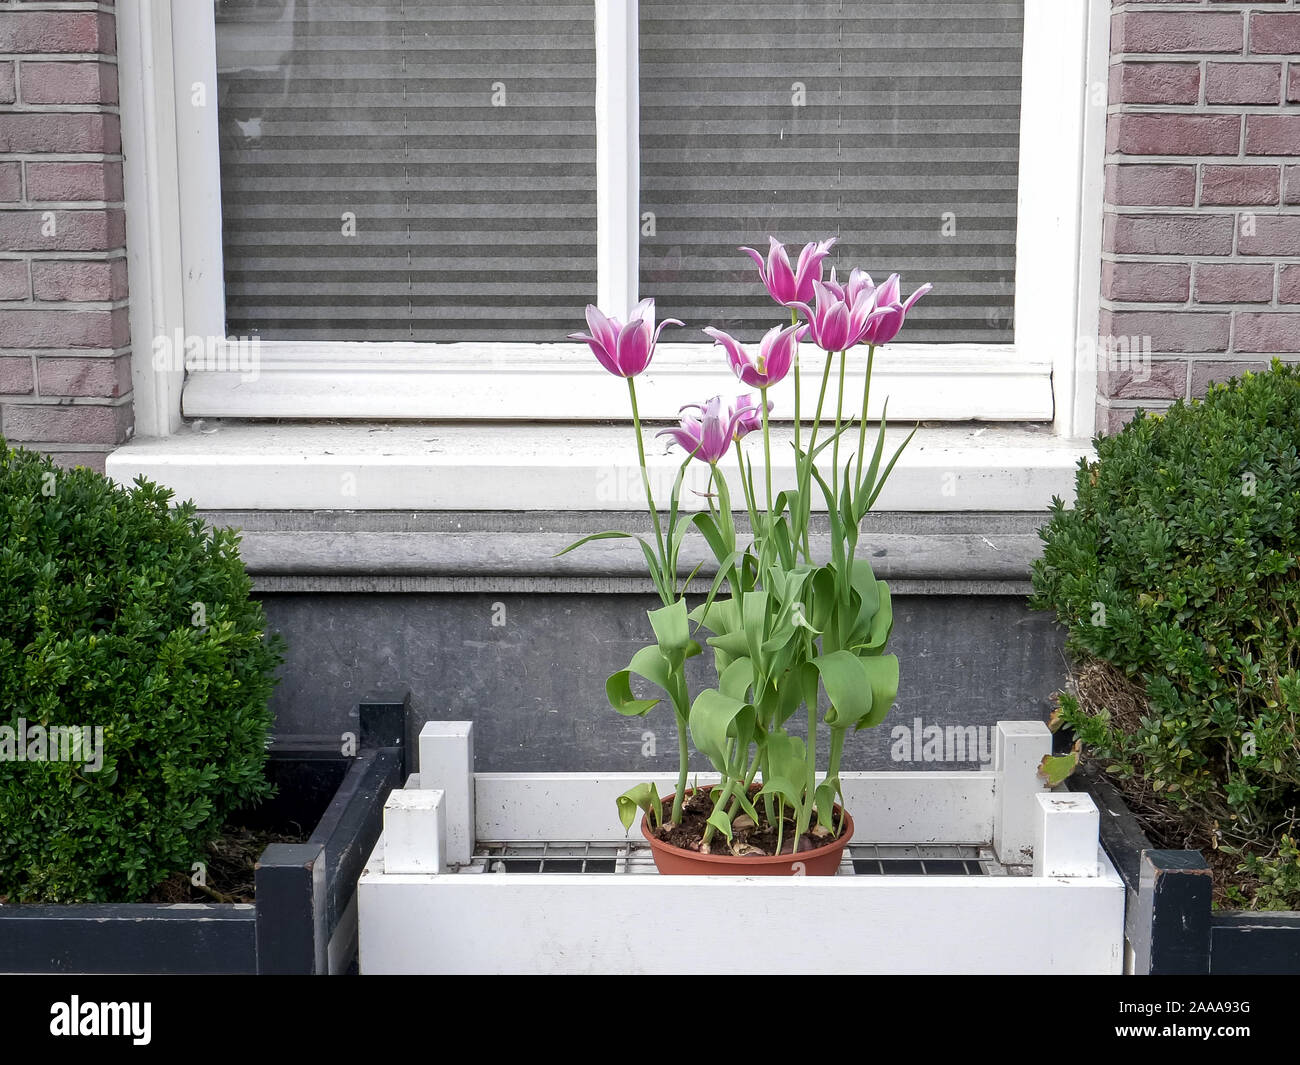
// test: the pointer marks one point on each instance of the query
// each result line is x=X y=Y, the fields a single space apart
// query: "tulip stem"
x=683 y=762
x=835 y=448
x=749 y=499
x=862 y=428
x=767 y=449
x=645 y=480
x=805 y=485
x=794 y=320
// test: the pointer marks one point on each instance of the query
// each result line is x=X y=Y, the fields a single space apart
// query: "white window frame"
x=174 y=239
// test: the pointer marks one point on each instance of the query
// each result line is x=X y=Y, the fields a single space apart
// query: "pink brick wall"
x=1201 y=241
x=65 y=373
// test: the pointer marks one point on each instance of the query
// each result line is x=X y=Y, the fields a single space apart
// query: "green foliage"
x=120 y=612
x=1179 y=564
x=1278 y=878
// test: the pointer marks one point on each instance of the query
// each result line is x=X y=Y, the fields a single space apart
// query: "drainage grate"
x=861 y=859
x=547 y=857
x=873 y=859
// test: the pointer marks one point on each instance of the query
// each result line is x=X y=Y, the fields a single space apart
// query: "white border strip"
x=899 y=807
x=563 y=382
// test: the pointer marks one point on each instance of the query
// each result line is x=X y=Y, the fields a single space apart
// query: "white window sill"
x=512 y=467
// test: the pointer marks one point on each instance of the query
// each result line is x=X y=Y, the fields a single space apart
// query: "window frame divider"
x=618 y=156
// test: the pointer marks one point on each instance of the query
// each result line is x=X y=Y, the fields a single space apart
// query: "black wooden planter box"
x=1168 y=922
x=304 y=918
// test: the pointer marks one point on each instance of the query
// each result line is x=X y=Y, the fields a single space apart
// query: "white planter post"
x=1065 y=843
x=1018 y=751
x=447 y=763
x=415 y=832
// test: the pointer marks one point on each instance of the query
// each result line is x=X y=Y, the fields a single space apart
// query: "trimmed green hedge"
x=118 y=611
x=1179 y=565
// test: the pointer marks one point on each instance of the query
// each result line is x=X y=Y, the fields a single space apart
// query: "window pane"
x=407 y=170
x=892 y=125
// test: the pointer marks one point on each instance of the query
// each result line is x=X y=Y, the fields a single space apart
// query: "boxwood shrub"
x=120 y=612
x=1179 y=566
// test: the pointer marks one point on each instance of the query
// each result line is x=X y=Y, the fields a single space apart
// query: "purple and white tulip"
x=707 y=432
x=785 y=285
x=887 y=325
x=775 y=356
x=624 y=350
x=747 y=416
x=842 y=315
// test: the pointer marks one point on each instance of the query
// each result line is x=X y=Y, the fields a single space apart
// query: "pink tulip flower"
x=887 y=326
x=748 y=416
x=624 y=350
x=775 y=356
x=859 y=286
x=843 y=315
x=707 y=433
x=783 y=284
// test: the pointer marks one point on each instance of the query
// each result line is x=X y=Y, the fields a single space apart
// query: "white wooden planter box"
x=434 y=899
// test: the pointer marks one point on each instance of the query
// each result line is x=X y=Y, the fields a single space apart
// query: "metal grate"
x=874 y=859
x=861 y=859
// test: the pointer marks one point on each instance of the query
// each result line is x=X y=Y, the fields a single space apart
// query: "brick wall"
x=65 y=377
x=1201 y=243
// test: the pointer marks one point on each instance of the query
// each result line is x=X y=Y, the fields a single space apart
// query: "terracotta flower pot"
x=677 y=861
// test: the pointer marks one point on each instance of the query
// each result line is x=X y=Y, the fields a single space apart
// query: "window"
x=406 y=171
x=409 y=204
x=895 y=126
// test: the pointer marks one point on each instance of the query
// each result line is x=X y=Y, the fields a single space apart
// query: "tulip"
x=843 y=315
x=775 y=356
x=707 y=434
x=748 y=416
x=859 y=285
x=887 y=326
x=783 y=284
x=624 y=350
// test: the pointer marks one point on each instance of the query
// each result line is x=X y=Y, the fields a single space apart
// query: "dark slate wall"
x=533 y=683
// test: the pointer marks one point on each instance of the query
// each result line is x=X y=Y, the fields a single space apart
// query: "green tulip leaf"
x=847 y=686
x=643 y=797
x=618 y=690
x=719 y=820
x=672 y=631
x=737 y=679
x=881 y=625
x=712 y=716
x=882 y=674
x=649 y=664
x=827 y=792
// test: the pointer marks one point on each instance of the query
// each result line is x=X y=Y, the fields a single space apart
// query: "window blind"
x=894 y=126
x=407 y=171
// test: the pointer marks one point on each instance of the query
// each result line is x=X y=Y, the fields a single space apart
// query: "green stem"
x=767 y=449
x=805 y=478
x=794 y=320
x=683 y=757
x=645 y=481
x=749 y=499
x=833 y=768
x=811 y=769
x=835 y=448
x=862 y=428
x=729 y=785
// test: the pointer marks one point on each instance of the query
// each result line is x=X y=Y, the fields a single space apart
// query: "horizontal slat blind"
x=892 y=125
x=461 y=138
